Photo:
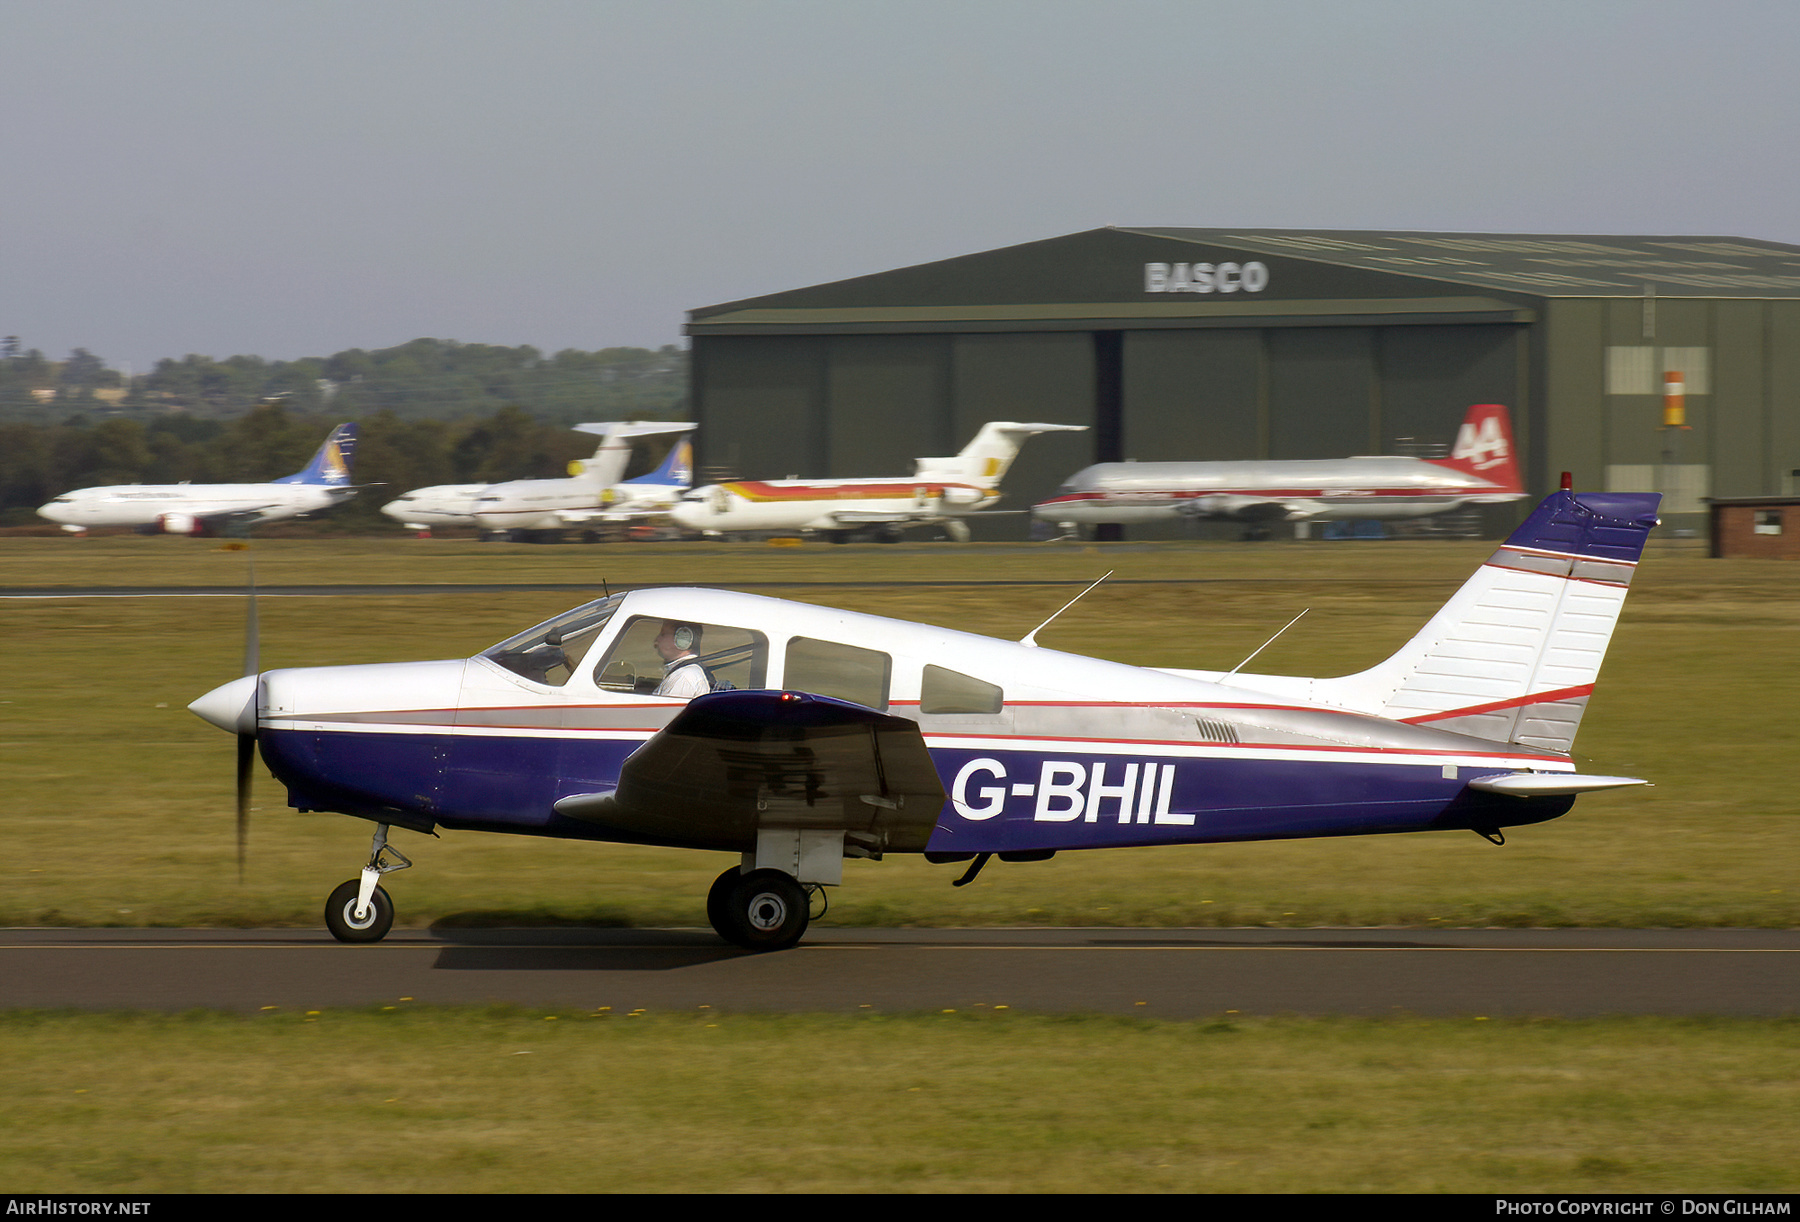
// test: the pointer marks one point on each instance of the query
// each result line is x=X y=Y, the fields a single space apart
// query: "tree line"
x=429 y=412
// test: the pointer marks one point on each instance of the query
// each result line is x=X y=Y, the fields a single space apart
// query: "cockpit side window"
x=826 y=668
x=552 y=651
x=732 y=657
x=949 y=691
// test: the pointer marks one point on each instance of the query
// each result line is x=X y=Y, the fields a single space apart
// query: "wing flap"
x=732 y=763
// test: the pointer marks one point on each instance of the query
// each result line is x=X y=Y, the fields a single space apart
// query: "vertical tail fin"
x=676 y=471
x=1513 y=656
x=331 y=463
x=614 y=453
x=985 y=459
x=1484 y=448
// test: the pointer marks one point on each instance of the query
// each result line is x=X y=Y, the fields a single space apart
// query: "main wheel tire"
x=765 y=910
x=717 y=901
x=340 y=914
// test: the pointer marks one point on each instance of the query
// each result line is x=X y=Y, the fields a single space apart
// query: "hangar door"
x=1311 y=392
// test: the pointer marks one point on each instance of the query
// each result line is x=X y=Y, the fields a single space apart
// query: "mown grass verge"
x=511 y=1100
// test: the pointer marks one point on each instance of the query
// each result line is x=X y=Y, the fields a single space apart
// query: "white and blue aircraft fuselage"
x=828 y=734
x=594 y=495
x=187 y=509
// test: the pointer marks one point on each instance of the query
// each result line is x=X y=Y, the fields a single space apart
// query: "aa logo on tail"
x=1482 y=444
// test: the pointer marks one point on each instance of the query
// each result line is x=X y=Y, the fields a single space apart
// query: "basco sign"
x=1252 y=277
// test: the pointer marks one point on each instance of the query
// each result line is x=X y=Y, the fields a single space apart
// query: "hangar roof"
x=1544 y=265
x=1186 y=277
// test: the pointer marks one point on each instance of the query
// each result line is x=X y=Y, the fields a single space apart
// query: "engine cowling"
x=178 y=524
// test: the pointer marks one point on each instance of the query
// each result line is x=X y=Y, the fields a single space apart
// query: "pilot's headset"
x=685 y=635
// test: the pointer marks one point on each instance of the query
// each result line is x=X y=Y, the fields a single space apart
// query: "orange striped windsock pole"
x=1674 y=400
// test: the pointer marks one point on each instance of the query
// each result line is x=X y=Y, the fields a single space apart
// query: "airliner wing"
x=866 y=517
x=1245 y=508
x=613 y=513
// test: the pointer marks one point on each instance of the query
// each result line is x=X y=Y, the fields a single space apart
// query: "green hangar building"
x=1205 y=344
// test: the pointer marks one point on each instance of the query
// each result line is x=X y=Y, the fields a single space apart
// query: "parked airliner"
x=199 y=509
x=1481 y=469
x=940 y=492
x=523 y=509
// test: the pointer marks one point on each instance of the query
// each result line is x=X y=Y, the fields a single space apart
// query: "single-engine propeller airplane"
x=819 y=734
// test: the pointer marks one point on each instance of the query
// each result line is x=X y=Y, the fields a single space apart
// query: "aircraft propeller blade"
x=246 y=741
x=246 y=757
x=251 y=647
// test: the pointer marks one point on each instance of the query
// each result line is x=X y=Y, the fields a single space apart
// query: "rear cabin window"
x=826 y=668
x=949 y=691
x=732 y=657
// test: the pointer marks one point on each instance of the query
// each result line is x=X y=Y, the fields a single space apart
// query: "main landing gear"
x=755 y=909
x=760 y=909
x=360 y=910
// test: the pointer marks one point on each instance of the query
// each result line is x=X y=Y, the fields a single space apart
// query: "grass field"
x=981 y=1101
x=117 y=802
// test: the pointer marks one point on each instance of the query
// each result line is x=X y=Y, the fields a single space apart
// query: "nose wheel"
x=346 y=926
x=360 y=910
x=761 y=910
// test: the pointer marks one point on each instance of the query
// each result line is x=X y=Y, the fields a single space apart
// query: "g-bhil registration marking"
x=1066 y=791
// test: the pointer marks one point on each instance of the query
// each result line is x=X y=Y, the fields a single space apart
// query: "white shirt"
x=684 y=678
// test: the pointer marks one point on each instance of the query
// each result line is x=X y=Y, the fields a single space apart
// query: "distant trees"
x=422 y=379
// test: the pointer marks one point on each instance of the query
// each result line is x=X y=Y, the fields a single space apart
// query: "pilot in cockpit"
x=683 y=676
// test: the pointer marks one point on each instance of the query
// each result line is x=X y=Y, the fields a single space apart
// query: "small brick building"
x=1756 y=527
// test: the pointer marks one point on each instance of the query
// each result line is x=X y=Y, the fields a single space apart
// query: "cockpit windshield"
x=550 y=652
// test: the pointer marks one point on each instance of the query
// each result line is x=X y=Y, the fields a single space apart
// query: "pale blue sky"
x=295 y=177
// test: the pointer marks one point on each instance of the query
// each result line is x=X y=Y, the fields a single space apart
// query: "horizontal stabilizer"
x=636 y=428
x=985 y=459
x=1549 y=784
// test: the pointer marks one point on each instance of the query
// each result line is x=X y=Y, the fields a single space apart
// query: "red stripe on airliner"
x=1564 y=693
x=1271 y=493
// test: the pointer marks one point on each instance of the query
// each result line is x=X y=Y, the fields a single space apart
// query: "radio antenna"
x=1234 y=670
x=1029 y=640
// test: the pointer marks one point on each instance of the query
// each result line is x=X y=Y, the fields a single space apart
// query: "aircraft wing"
x=623 y=511
x=865 y=517
x=1244 y=508
x=735 y=761
x=243 y=516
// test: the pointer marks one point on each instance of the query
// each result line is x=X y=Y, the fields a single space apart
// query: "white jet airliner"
x=940 y=492
x=1481 y=469
x=199 y=509
x=524 y=509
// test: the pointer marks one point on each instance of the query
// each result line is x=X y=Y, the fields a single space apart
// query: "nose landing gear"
x=360 y=910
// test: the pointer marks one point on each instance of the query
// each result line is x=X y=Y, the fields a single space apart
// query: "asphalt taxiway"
x=1167 y=973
